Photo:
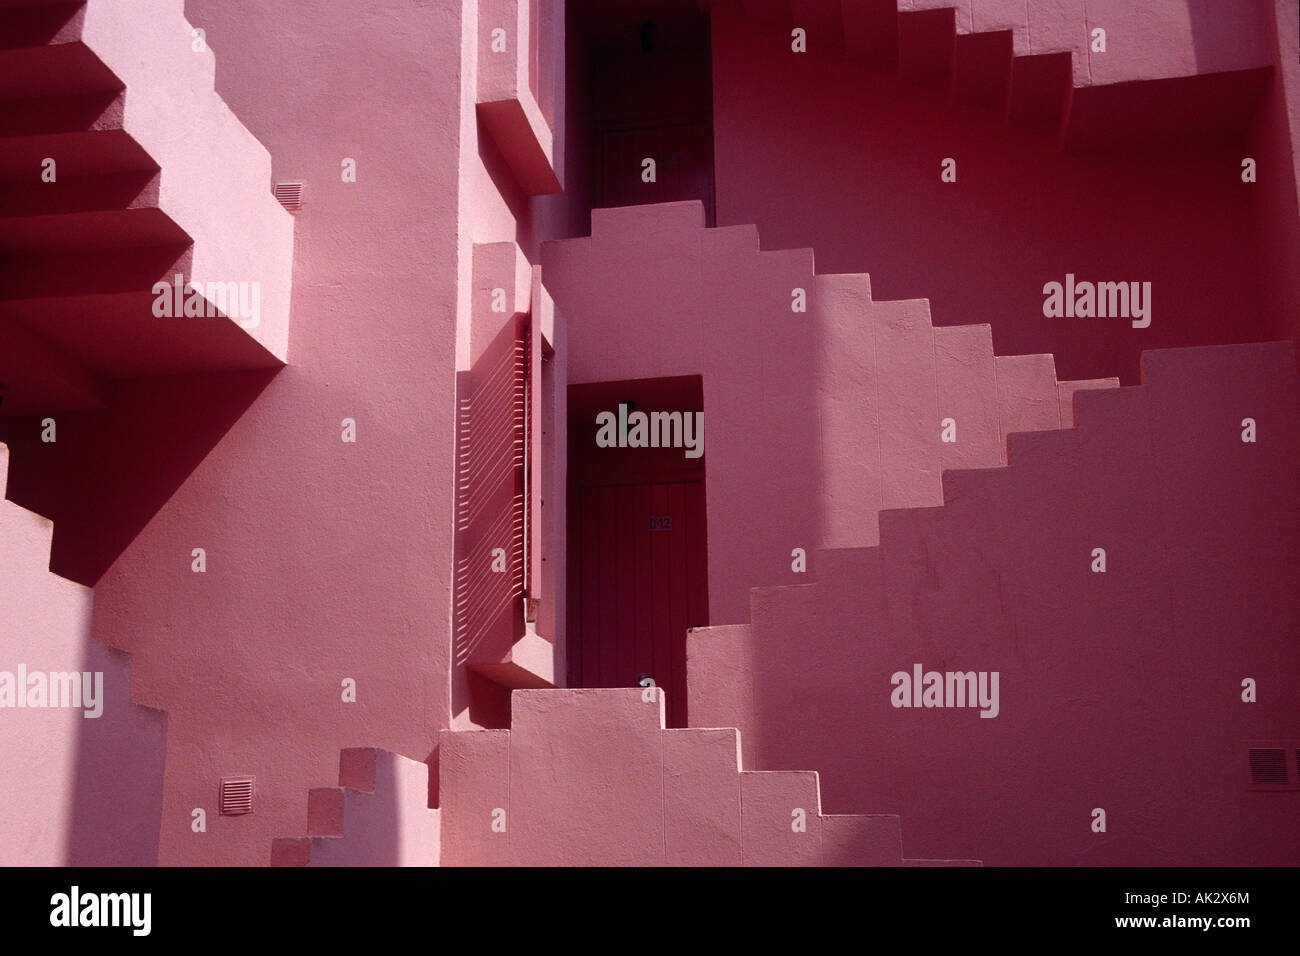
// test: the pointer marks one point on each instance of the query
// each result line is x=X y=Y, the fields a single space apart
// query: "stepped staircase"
x=896 y=377
x=150 y=164
x=899 y=382
x=120 y=167
x=1028 y=62
x=592 y=778
x=650 y=795
x=886 y=377
x=964 y=552
x=1202 y=589
x=378 y=815
x=84 y=792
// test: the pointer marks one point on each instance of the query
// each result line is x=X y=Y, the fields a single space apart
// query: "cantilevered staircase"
x=120 y=167
x=1032 y=63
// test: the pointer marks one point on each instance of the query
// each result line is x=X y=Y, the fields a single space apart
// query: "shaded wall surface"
x=78 y=790
x=820 y=151
x=1272 y=143
x=1121 y=689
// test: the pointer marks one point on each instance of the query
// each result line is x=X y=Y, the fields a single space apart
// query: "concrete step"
x=908 y=406
x=1198 y=527
x=591 y=777
x=378 y=815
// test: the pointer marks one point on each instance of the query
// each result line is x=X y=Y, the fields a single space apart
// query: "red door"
x=642 y=584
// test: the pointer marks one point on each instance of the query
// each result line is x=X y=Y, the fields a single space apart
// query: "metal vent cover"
x=1268 y=766
x=289 y=195
x=236 y=796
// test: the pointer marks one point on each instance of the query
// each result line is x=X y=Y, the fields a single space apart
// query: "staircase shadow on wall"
x=117 y=783
x=112 y=470
x=109 y=472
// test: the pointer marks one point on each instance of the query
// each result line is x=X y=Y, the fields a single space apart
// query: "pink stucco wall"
x=815 y=419
x=329 y=561
x=77 y=790
x=325 y=560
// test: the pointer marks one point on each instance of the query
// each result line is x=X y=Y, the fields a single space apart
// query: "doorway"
x=642 y=586
x=638 y=545
x=647 y=69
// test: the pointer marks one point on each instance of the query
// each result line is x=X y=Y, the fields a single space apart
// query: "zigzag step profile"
x=1160 y=528
x=593 y=778
x=143 y=151
x=378 y=815
x=903 y=398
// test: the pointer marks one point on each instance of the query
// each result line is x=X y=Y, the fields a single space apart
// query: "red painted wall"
x=1276 y=204
x=820 y=152
x=1119 y=690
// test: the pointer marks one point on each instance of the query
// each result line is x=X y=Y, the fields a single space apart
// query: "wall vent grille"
x=289 y=195
x=236 y=796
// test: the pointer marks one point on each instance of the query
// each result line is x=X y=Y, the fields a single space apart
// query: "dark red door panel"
x=642 y=568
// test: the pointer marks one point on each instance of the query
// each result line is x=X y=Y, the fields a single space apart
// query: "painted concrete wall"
x=75 y=789
x=1273 y=144
x=820 y=152
x=1119 y=689
x=592 y=778
x=325 y=560
x=822 y=405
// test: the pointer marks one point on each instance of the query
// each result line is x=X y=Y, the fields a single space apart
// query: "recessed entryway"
x=638 y=575
x=646 y=67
